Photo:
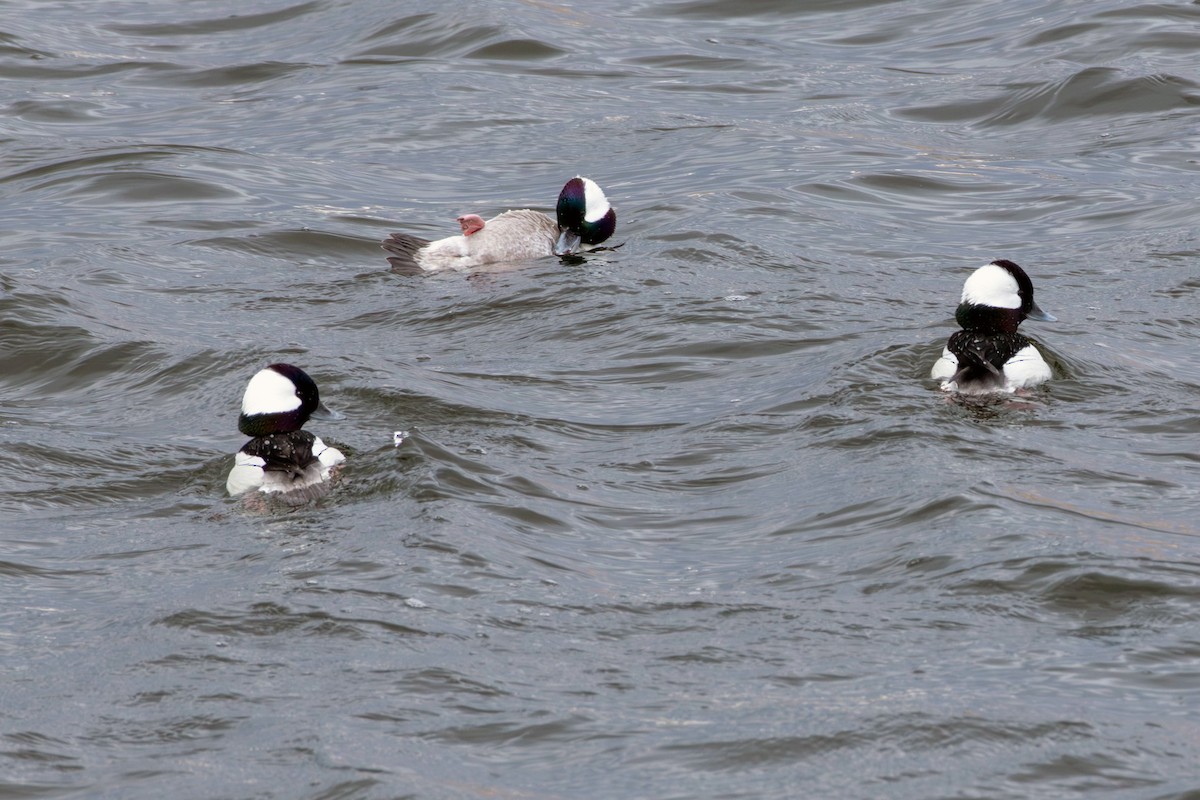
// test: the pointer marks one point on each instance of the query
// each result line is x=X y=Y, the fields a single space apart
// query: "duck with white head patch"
x=988 y=355
x=585 y=220
x=282 y=460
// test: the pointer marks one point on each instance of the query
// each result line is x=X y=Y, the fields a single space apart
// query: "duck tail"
x=403 y=251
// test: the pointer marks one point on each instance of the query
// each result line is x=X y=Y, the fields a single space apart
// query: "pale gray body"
x=509 y=237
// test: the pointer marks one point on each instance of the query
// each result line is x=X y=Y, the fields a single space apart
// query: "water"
x=685 y=520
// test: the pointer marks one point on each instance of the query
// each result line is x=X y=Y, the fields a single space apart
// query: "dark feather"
x=287 y=453
x=981 y=356
x=404 y=249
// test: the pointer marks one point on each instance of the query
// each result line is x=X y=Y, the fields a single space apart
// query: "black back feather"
x=982 y=356
x=287 y=453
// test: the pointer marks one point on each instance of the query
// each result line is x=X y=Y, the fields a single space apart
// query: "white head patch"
x=594 y=200
x=269 y=393
x=991 y=286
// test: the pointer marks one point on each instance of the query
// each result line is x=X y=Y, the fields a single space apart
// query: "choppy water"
x=683 y=521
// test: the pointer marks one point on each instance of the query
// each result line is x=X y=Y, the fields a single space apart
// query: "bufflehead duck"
x=988 y=355
x=584 y=220
x=282 y=459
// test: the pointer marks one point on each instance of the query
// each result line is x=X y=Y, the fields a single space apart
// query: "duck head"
x=998 y=296
x=585 y=219
x=470 y=224
x=279 y=399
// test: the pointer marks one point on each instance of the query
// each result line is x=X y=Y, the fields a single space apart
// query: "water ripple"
x=686 y=517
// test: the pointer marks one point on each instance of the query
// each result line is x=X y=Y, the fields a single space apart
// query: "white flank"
x=328 y=456
x=247 y=474
x=945 y=367
x=1026 y=368
x=991 y=286
x=596 y=204
x=269 y=393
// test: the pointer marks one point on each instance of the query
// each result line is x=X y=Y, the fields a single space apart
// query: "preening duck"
x=584 y=220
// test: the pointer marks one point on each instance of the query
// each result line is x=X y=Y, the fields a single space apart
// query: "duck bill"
x=1039 y=315
x=323 y=411
x=568 y=243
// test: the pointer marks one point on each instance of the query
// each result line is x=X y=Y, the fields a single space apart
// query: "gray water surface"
x=683 y=520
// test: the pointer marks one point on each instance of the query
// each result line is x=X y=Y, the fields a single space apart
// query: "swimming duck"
x=281 y=459
x=988 y=355
x=584 y=220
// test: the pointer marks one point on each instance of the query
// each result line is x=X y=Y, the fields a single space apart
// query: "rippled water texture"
x=682 y=520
